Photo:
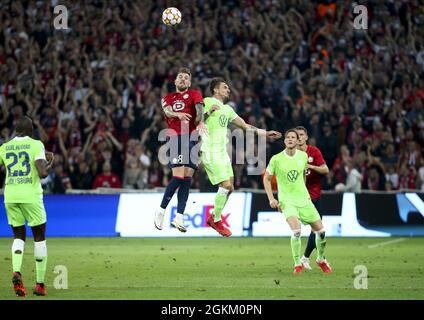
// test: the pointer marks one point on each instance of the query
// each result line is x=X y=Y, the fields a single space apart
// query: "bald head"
x=24 y=127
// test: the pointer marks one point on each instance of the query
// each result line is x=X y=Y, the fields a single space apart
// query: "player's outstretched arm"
x=200 y=120
x=211 y=110
x=239 y=122
x=199 y=113
x=268 y=189
x=44 y=165
x=323 y=169
x=50 y=159
x=41 y=165
x=180 y=115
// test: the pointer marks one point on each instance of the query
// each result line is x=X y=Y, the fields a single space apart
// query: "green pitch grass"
x=220 y=268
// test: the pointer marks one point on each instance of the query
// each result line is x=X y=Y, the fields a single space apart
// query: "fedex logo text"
x=198 y=219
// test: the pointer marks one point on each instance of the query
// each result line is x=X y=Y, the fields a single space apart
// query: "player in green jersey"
x=214 y=156
x=26 y=162
x=289 y=167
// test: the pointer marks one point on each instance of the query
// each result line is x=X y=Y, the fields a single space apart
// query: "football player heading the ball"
x=184 y=114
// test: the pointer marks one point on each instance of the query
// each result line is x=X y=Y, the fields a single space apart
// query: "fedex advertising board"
x=136 y=213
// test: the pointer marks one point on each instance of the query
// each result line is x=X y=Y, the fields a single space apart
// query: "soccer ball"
x=171 y=16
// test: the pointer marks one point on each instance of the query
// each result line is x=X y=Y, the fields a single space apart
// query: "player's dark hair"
x=215 y=82
x=302 y=128
x=184 y=70
x=24 y=126
x=291 y=130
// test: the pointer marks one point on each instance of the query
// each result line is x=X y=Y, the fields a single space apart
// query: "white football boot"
x=178 y=222
x=305 y=263
x=159 y=215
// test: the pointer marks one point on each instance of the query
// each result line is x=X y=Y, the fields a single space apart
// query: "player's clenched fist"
x=274 y=204
x=49 y=158
x=273 y=134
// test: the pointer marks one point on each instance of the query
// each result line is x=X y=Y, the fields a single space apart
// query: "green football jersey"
x=22 y=183
x=290 y=177
x=217 y=123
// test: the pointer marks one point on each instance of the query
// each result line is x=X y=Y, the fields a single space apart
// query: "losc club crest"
x=178 y=105
x=292 y=175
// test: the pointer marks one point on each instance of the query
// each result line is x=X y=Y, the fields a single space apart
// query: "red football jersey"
x=182 y=102
x=107 y=181
x=313 y=180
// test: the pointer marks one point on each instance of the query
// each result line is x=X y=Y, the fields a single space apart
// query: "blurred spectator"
x=328 y=182
x=390 y=158
x=375 y=177
x=392 y=178
x=328 y=143
x=407 y=177
x=96 y=88
x=136 y=169
x=339 y=164
x=133 y=178
x=81 y=176
x=4 y=135
x=353 y=181
x=57 y=181
x=421 y=176
x=107 y=179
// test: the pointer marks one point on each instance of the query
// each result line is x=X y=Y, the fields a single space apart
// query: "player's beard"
x=225 y=99
x=182 y=88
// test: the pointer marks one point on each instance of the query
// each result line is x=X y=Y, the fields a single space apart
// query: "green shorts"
x=307 y=214
x=217 y=166
x=17 y=213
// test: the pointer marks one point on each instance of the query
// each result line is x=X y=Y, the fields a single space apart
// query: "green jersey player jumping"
x=293 y=198
x=214 y=156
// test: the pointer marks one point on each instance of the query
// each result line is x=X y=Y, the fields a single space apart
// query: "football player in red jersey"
x=316 y=166
x=184 y=114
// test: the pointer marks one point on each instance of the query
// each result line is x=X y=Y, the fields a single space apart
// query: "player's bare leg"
x=40 y=256
x=320 y=242
x=295 y=243
x=17 y=256
x=225 y=189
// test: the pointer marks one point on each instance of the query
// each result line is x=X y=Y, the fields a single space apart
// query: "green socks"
x=17 y=261
x=296 y=246
x=320 y=242
x=17 y=254
x=220 y=201
x=40 y=254
x=40 y=268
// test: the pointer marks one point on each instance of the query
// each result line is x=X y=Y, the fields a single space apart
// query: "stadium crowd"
x=94 y=90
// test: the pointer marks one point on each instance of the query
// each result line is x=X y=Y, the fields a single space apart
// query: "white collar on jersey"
x=21 y=138
x=285 y=152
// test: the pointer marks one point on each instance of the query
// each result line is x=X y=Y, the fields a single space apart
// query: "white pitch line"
x=372 y=246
